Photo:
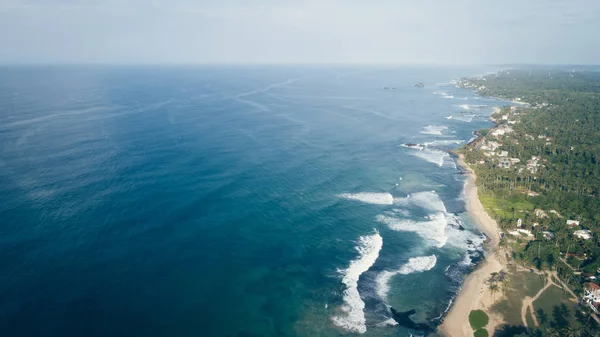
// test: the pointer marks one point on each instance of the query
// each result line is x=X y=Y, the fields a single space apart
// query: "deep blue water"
x=230 y=201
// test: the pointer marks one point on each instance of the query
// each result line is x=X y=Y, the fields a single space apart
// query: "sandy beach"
x=474 y=293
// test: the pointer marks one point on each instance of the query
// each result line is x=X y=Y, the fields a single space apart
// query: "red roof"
x=592 y=286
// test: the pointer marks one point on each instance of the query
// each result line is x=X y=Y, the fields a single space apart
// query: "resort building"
x=584 y=234
x=591 y=296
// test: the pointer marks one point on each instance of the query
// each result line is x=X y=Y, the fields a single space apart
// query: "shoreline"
x=474 y=293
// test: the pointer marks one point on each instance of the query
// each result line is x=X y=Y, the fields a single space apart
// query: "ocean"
x=233 y=200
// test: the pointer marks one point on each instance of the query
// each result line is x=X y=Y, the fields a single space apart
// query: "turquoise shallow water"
x=231 y=201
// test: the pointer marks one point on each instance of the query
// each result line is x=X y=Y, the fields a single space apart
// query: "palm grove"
x=538 y=169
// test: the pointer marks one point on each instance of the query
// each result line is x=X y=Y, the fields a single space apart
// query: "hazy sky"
x=286 y=31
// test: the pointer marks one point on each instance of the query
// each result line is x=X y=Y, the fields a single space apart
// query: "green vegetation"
x=522 y=284
x=551 y=298
x=478 y=319
x=481 y=333
x=539 y=167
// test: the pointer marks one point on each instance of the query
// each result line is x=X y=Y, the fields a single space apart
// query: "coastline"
x=474 y=293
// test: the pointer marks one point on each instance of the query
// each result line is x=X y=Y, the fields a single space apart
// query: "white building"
x=592 y=296
x=501 y=131
x=572 y=223
x=583 y=234
x=490 y=146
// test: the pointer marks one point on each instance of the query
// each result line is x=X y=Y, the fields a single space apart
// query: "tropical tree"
x=493 y=289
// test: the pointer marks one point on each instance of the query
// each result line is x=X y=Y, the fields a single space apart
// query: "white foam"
x=465 y=118
x=388 y=322
x=433 y=130
x=449 y=117
x=445 y=142
x=370 y=197
x=464 y=106
x=433 y=229
x=414 y=265
x=352 y=316
x=432 y=156
x=413 y=146
x=428 y=200
x=448 y=96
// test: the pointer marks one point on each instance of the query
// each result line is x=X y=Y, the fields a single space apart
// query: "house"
x=504 y=163
x=490 y=146
x=503 y=154
x=572 y=223
x=548 y=235
x=519 y=223
x=584 y=234
x=540 y=213
x=591 y=296
x=501 y=131
x=579 y=256
x=525 y=232
x=532 y=164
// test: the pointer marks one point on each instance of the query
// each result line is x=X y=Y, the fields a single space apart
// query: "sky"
x=301 y=31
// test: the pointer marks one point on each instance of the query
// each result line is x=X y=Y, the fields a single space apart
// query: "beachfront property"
x=490 y=146
x=521 y=232
x=584 y=234
x=501 y=131
x=591 y=296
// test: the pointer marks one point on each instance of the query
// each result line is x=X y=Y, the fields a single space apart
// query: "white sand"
x=475 y=293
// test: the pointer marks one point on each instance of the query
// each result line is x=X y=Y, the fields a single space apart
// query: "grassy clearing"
x=529 y=319
x=505 y=208
x=547 y=302
x=521 y=284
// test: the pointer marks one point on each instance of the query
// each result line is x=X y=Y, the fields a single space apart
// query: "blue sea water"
x=231 y=201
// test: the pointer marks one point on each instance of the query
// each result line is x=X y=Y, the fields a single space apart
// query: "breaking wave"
x=432 y=156
x=433 y=229
x=370 y=197
x=433 y=130
x=445 y=142
x=428 y=200
x=414 y=265
x=352 y=316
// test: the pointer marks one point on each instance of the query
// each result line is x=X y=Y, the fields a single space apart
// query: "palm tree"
x=571 y=331
x=502 y=276
x=552 y=332
x=493 y=289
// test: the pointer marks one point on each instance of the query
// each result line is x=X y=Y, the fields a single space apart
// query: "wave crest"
x=352 y=317
x=370 y=197
x=414 y=265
